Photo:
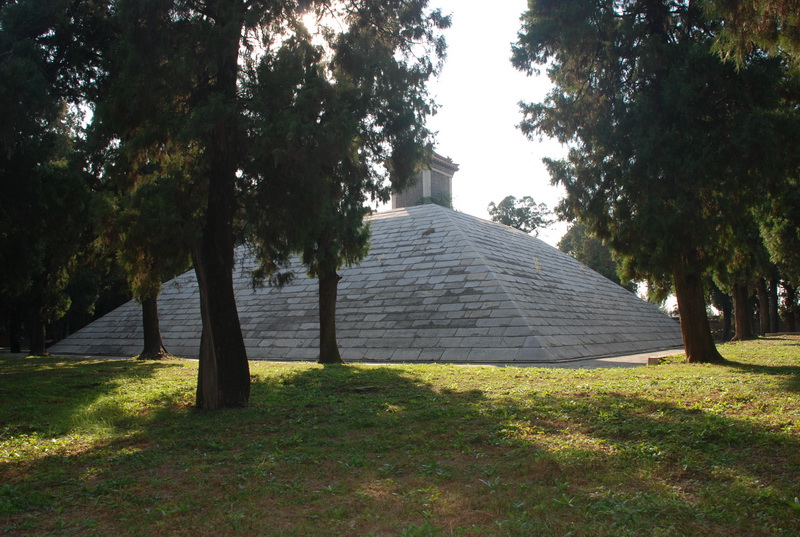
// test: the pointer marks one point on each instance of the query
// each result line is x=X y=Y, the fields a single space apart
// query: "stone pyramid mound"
x=438 y=285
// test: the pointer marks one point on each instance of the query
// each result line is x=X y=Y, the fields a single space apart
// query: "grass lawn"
x=115 y=448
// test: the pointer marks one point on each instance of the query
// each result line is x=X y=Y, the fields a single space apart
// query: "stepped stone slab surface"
x=438 y=285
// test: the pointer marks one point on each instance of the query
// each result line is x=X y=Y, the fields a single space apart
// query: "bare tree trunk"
x=223 y=379
x=791 y=300
x=727 y=313
x=741 y=311
x=763 y=306
x=328 y=289
x=35 y=326
x=224 y=373
x=14 y=329
x=724 y=303
x=208 y=390
x=37 y=336
x=697 y=340
x=153 y=345
x=774 y=320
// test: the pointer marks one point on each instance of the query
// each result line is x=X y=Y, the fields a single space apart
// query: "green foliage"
x=523 y=214
x=328 y=120
x=748 y=258
x=772 y=25
x=590 y=251
x=44 y=222
x=47 y=66
x=429 y=449
x=32 y=149
x=780 y=228
x=656 y=167
x=149 y=215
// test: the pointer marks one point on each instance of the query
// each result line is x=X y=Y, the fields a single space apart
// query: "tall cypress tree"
x=172 y=80
x=338 y=124
x=667 y=142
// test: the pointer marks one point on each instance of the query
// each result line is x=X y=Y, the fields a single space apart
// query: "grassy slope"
x=114 y=447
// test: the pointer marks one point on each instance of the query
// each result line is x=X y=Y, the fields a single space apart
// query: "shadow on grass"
x=394 y=450
x=790 y=374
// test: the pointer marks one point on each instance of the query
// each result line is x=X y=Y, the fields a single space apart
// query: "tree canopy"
x=523 y=214
x=590 y=251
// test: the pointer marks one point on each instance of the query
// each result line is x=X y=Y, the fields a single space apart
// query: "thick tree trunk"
x=774 y=319
x=224 y=373
x=328 y=288
x=741 y=311
x=153 y=345
x=763 y=306
x=697 y=340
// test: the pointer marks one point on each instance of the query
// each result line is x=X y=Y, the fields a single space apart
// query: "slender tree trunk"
x=741 y=311
x=328 y=288
x=697 y=340
x=791 y=301
x=774 y=319
x=224 y=373
x=14 y=329
x=727 y=313
x=37 y=335
x=35 y=326
x=153 y=345
x=763 y=306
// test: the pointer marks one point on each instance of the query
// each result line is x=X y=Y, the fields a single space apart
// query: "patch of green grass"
x=91 y=447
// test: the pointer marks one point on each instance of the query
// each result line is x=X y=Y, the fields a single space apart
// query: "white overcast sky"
x=478 y=93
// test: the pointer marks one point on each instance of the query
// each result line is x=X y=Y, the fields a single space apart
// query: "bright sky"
x=478 y=92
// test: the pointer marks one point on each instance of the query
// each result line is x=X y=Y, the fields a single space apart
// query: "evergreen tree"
x=148 y=215
x=46 y=63
x=329 y=118
x=742 y=271
x=779 y=220
x=667 y=142
x=172 y=81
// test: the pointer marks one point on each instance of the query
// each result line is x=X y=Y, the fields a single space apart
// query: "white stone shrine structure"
x=438 y=285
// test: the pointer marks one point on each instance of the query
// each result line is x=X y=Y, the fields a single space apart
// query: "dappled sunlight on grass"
x=52 y=402
x=677 y=449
